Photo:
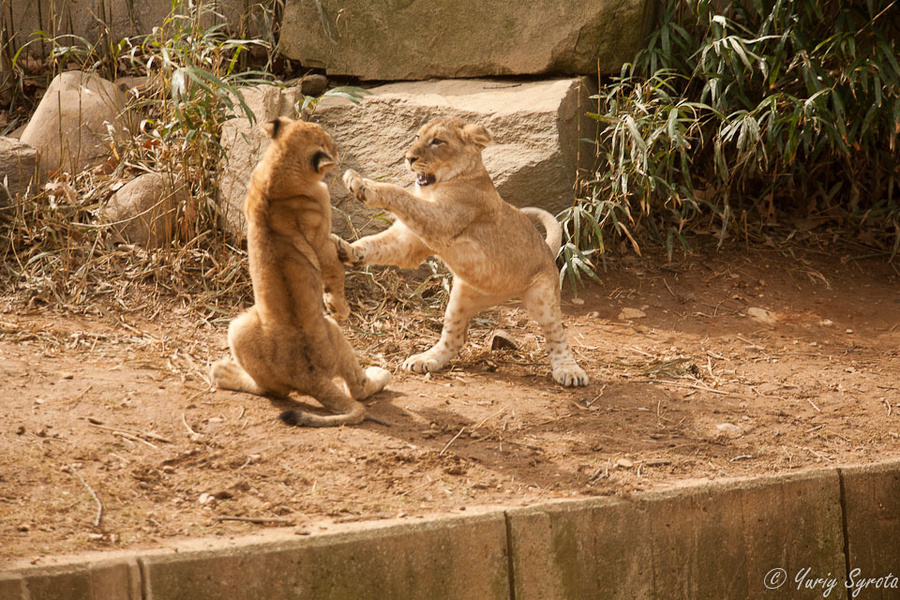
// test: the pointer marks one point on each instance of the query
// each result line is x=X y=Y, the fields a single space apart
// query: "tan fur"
x=284 y=343
x=491 y=247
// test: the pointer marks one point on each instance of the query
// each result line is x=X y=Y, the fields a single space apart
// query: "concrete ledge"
x=871 y=500
x=453 y=558
x=707 y=541
x=807 y=535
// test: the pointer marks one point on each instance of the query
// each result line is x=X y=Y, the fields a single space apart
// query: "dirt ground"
x=717 y=364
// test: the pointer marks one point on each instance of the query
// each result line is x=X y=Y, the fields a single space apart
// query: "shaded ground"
x=743 y=363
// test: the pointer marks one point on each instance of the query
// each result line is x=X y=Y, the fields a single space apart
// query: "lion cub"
x=284 y=343
x=491 y=247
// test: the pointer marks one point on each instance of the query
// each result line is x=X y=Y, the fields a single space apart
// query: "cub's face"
x=300 y=155
x=446 y=148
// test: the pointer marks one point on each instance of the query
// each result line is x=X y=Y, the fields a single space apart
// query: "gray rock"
x=75 y=121
x=419 y=39
x=144 y=210
x=532 y=161
x=19 y=170
x=94 y=20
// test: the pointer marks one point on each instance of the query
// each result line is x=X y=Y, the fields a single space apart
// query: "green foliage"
x=195 y=72
x=749 y=112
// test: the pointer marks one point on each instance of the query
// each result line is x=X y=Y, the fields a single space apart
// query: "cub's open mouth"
x=424 y=179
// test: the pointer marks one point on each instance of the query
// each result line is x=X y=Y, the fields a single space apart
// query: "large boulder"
x=19 y=170
x=421 y=39
x=533 y=161
x=143 y=211
x=75 y=121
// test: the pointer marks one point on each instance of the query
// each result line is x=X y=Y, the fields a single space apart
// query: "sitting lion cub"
x=284 y=343
x=492 y=248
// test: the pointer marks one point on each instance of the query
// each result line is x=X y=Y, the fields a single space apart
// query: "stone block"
x=582 y=549
x=115 y=579
x=12 y=586
x=703 y=542
x=417 y=40
x=872 y=510
x=460 y=558
x=19 y=170
x=533 y=160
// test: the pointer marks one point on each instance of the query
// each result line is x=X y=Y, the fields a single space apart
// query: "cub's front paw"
x=356 y=185
x=571 y=376
x=430 y=361
x=347 y=253
x=337 y=306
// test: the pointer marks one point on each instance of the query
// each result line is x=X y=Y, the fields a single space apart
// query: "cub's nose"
x=411 y=159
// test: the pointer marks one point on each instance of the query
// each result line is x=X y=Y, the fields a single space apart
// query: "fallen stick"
x=441 y=453
x=194 y=435
x=257 y=520
x=93 y=495
x=134 y=438
x=483 y=421
x=142 y=434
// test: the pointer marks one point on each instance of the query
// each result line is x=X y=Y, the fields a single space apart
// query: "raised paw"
x=570 y=376
x=347 y=253
x=355 y=184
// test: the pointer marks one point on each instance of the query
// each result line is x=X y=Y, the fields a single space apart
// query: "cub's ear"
x=478 y=135
x=274 y=127
x=322 y=162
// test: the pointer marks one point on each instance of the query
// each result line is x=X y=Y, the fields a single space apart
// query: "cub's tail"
x=550 y=225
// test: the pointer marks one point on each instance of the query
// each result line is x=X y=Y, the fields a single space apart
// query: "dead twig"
x=257 y=520
x=752 y=344
x=93 y=494
x=194 y=435
x=453 y=439
x=473 y=429
x=134 y=438
x=601 y=473
x=138 y=434
x=692 y=386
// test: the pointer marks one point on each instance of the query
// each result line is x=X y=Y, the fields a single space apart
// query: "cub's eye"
x=436 y=142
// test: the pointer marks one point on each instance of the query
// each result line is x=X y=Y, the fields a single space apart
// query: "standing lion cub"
x=491 y=247
x=284 y=343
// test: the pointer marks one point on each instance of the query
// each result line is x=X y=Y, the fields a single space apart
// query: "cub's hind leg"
x=542 y=303
x=465 y=302
x=246 y=341
x=344 y=404
x=359 y=383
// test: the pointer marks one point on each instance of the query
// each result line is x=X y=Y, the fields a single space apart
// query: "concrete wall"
x=796 y=536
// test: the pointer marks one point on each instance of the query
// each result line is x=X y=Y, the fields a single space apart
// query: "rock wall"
x=422 y=39
x=91 y=19
x=533 y=160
